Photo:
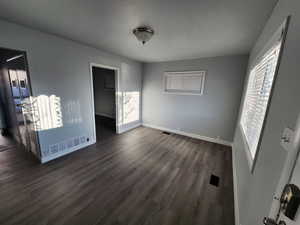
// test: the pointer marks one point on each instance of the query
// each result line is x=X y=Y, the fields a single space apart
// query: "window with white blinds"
x=188 y=82
x=257 y=97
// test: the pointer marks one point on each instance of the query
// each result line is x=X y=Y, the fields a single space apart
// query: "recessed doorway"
x=16 y=121
x=105 y=101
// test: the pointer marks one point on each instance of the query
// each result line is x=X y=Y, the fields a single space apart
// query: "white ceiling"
x=184 y=29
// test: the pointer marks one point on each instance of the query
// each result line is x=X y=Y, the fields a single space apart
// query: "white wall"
x=62 y=67
x=211 y=115
x=255 y=191
x=105 y=100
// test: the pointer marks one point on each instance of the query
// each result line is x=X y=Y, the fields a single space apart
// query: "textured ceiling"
x=184 y=29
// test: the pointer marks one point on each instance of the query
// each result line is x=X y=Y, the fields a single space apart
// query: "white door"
x=290 y=175
x=294 y=180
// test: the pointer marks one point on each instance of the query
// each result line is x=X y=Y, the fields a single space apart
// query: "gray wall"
x=255 y=190
x=213 y=114
x=104 y=98
x=62 y=67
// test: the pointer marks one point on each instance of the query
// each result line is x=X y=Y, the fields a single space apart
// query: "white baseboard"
x=68 y=151
x=196 y=136
x=126 y=127
x=105 y=115
x=235 y=190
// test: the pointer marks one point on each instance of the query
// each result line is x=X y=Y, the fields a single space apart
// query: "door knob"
x=269 y=221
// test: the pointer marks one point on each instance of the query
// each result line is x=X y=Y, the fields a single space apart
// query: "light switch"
x=287 y=138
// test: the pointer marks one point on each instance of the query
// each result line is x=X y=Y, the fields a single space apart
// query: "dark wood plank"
x=139 y=177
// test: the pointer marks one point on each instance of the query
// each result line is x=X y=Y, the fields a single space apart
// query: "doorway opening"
x=16 y=122
x=105 y=89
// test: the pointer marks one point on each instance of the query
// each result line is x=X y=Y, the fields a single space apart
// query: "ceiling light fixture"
x=143 y=34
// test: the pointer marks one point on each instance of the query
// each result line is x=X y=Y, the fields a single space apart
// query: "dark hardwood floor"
x=105 y=127
x=139 y=177
x=6 y=143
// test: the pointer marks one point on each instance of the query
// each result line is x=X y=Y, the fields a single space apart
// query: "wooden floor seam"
x=141 y=177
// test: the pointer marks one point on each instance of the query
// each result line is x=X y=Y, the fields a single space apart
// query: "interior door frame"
x=31 y=94
x=117 y=91
x=26 y=64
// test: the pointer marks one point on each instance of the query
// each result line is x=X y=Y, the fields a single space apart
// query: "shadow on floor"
x=6 y=143
x=105 y=128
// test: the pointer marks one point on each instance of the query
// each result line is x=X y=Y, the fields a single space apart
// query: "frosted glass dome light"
x=143 y=34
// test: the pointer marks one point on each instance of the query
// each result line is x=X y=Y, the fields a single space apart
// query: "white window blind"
x=257 y=96
x=191 y=82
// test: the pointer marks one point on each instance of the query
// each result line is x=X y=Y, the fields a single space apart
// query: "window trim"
x=283 y=30
x=167 y=73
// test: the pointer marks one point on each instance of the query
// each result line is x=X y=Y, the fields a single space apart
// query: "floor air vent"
x=165 y=132
x=214 y=180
